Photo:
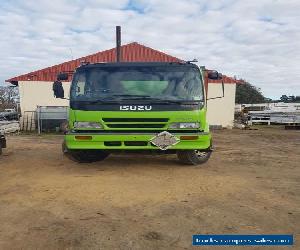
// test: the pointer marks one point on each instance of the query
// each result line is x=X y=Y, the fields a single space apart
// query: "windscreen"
x=126 y=83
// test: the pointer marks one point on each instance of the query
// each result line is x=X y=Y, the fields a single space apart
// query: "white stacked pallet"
x=270 y=117
x=7 y=127
x=285 y=118
x=273 y=113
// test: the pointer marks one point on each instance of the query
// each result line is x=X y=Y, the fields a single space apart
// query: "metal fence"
x=44 y=119
x=28 y=121
x=51 y=118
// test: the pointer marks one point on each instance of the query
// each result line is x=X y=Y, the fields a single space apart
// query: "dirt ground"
x=251 y=185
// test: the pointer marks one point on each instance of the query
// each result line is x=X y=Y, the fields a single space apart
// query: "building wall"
x=221 y=111
x=37 y=93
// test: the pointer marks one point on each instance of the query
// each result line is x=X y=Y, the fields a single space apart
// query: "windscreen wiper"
x=100 y=101
x=160 y=101
x=135 y=97
x=141 y=97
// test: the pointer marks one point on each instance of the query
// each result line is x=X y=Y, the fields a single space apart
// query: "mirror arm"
x=214 y=98
x=218 y=97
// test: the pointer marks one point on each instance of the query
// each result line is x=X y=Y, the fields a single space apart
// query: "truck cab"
x=137 y=107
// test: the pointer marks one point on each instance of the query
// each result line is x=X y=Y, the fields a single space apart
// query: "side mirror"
x=214 y=75
x=58 y=90
x=62 y=76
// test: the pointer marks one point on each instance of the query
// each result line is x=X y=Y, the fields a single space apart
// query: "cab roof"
x=136 y=64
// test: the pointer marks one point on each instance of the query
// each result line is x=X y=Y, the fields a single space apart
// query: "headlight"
x=184 y=125
x=88 y=125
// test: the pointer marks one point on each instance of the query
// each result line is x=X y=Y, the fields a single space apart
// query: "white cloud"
x=256 y=40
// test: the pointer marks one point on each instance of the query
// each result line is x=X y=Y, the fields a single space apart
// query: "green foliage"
x=291 y=98
x=246 y=93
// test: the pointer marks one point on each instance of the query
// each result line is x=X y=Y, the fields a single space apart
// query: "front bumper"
x=130 y=141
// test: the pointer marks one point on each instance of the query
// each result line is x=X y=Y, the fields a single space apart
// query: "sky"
x=257 y=40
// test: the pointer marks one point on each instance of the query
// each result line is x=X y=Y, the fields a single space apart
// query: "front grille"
x=112 y=143
x=142 y=125
x=137 y=131
x=126 y=143
x=135 y=143
x=135 y=119
x=135 y=123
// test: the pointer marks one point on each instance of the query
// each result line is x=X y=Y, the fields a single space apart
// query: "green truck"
x=156 y=107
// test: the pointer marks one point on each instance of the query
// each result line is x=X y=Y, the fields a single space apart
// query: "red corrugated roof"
x=132 y=52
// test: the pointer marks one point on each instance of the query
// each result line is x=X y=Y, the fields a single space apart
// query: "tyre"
x=193 y=157
x=84 y=156
x=87 y=156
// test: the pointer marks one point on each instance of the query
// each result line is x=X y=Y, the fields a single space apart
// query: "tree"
x=8 y=97
x=246 y=93
x=284 y=98
x=291 y=98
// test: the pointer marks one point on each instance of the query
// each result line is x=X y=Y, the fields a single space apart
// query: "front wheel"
x=87 y=156
x=84 y=156
x=193 y=157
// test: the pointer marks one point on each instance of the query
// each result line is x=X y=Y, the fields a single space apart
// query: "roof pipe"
x=118 y=43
